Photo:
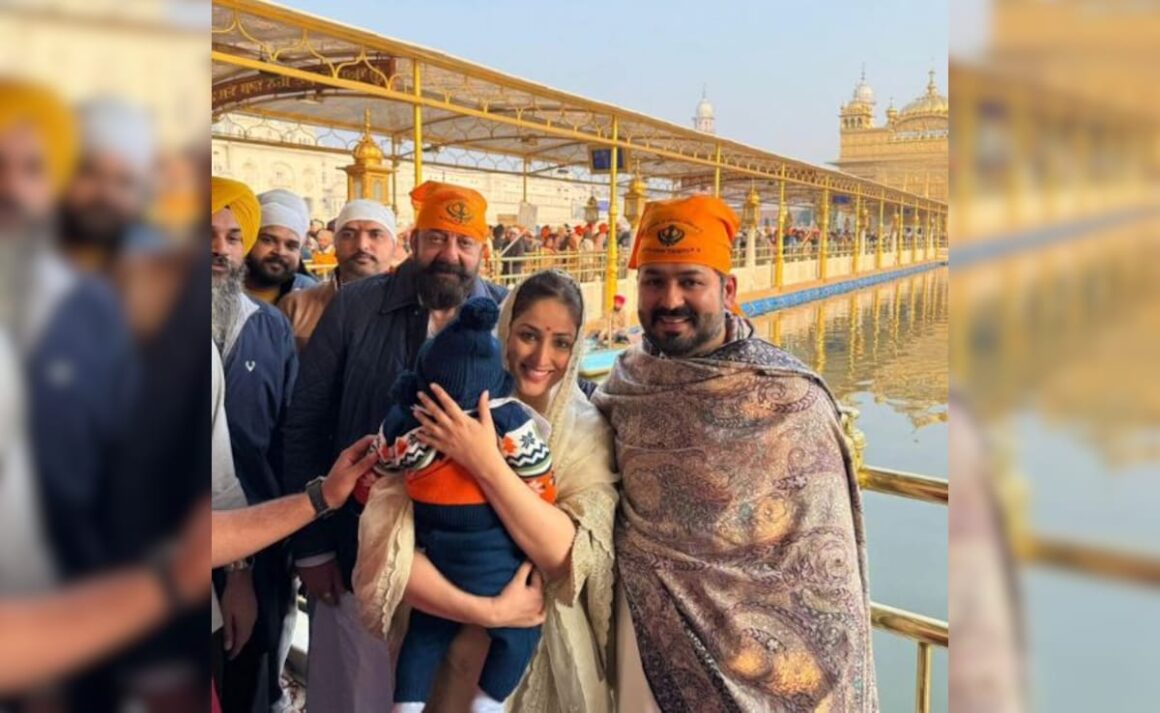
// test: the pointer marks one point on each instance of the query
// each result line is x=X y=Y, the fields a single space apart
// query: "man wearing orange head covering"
x=370 y=333
x=260 y=361
x=740 y=520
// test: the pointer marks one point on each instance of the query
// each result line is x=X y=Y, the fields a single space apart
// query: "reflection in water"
x=1069 y=335
x=889 y=341
x=1056 y=348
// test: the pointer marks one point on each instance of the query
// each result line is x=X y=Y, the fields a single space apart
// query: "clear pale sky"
x=777 y=72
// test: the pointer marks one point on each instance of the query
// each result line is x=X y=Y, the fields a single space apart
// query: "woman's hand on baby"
x=521 y=603
x=448 y=429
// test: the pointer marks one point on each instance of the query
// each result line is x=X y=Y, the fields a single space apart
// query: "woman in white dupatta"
x=541 y=329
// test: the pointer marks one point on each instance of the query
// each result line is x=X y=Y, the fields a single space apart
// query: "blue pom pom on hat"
x=465 y=358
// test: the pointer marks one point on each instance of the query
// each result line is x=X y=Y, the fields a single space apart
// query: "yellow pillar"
x=914 y=225
x=612 y=269
x=857 y=232
x=779 y=262
x=417 y=120
x=926 y=236
x=395 y=174
x=896 y=231
x=825 y=234
x=881 y=234
x=717 y=173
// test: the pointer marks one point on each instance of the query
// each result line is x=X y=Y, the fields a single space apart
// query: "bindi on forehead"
x=545 y=328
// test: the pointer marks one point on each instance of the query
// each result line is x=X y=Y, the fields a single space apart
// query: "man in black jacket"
x=368 y=335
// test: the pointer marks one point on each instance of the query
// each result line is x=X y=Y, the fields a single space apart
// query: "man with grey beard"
x=67 y=329
x=261 y=365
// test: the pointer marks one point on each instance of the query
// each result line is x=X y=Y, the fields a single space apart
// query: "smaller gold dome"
x=367 y=151
x=930 y=103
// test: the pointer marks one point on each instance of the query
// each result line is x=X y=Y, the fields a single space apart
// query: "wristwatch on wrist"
x=314 y=492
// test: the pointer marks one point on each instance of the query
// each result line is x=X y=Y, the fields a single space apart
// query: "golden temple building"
x=909 y=152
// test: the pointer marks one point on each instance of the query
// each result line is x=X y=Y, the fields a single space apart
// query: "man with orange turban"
x=740 y=521
x=261 y=366
x=369 y=334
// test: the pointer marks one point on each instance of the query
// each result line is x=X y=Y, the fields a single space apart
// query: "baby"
x=454 y=524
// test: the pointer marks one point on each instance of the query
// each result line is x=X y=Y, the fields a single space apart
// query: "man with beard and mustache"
x=369 y=334
x=740 y=522
x=261 y=365
x=107 y=196
x=79 y=365
x=272 y=264
x=366 y=243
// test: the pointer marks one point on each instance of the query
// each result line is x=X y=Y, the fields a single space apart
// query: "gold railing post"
x=926 y=235
x=611 y=268
x=857 y=232
x=881 y=234
x=922 y=678
x=896 y=229
x=782 y=214
x=914 y=225
x=825 y=234
x=417 y=120
x=717 y=173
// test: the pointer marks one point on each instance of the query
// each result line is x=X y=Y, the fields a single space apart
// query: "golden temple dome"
x=930 y=103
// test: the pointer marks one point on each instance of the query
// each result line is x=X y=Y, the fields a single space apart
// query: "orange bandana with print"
x=697 y=230
x=452 y=209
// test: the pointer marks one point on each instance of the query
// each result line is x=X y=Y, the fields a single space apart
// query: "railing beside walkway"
x=1028 y=547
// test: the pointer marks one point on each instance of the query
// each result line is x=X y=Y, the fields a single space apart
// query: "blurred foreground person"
x=61 y=632
x=106 y=199
x=987 y=674
x=68 y=328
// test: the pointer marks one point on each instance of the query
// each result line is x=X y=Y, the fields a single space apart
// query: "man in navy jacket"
x=261 y=364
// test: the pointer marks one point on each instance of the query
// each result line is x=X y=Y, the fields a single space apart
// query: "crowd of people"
x=644 y=554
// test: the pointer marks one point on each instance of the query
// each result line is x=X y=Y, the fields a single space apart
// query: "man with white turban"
x=364 y=246
x=273 y=264
x=108 y=195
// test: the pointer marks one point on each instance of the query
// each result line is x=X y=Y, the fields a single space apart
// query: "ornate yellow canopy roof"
x=283 y=65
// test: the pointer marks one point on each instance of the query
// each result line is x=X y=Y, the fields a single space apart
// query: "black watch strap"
x=314 y=492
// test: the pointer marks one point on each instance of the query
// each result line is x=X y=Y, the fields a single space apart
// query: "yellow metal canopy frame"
x=282 y=64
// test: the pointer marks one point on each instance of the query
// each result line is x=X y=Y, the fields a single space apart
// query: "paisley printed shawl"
x=739 y=541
